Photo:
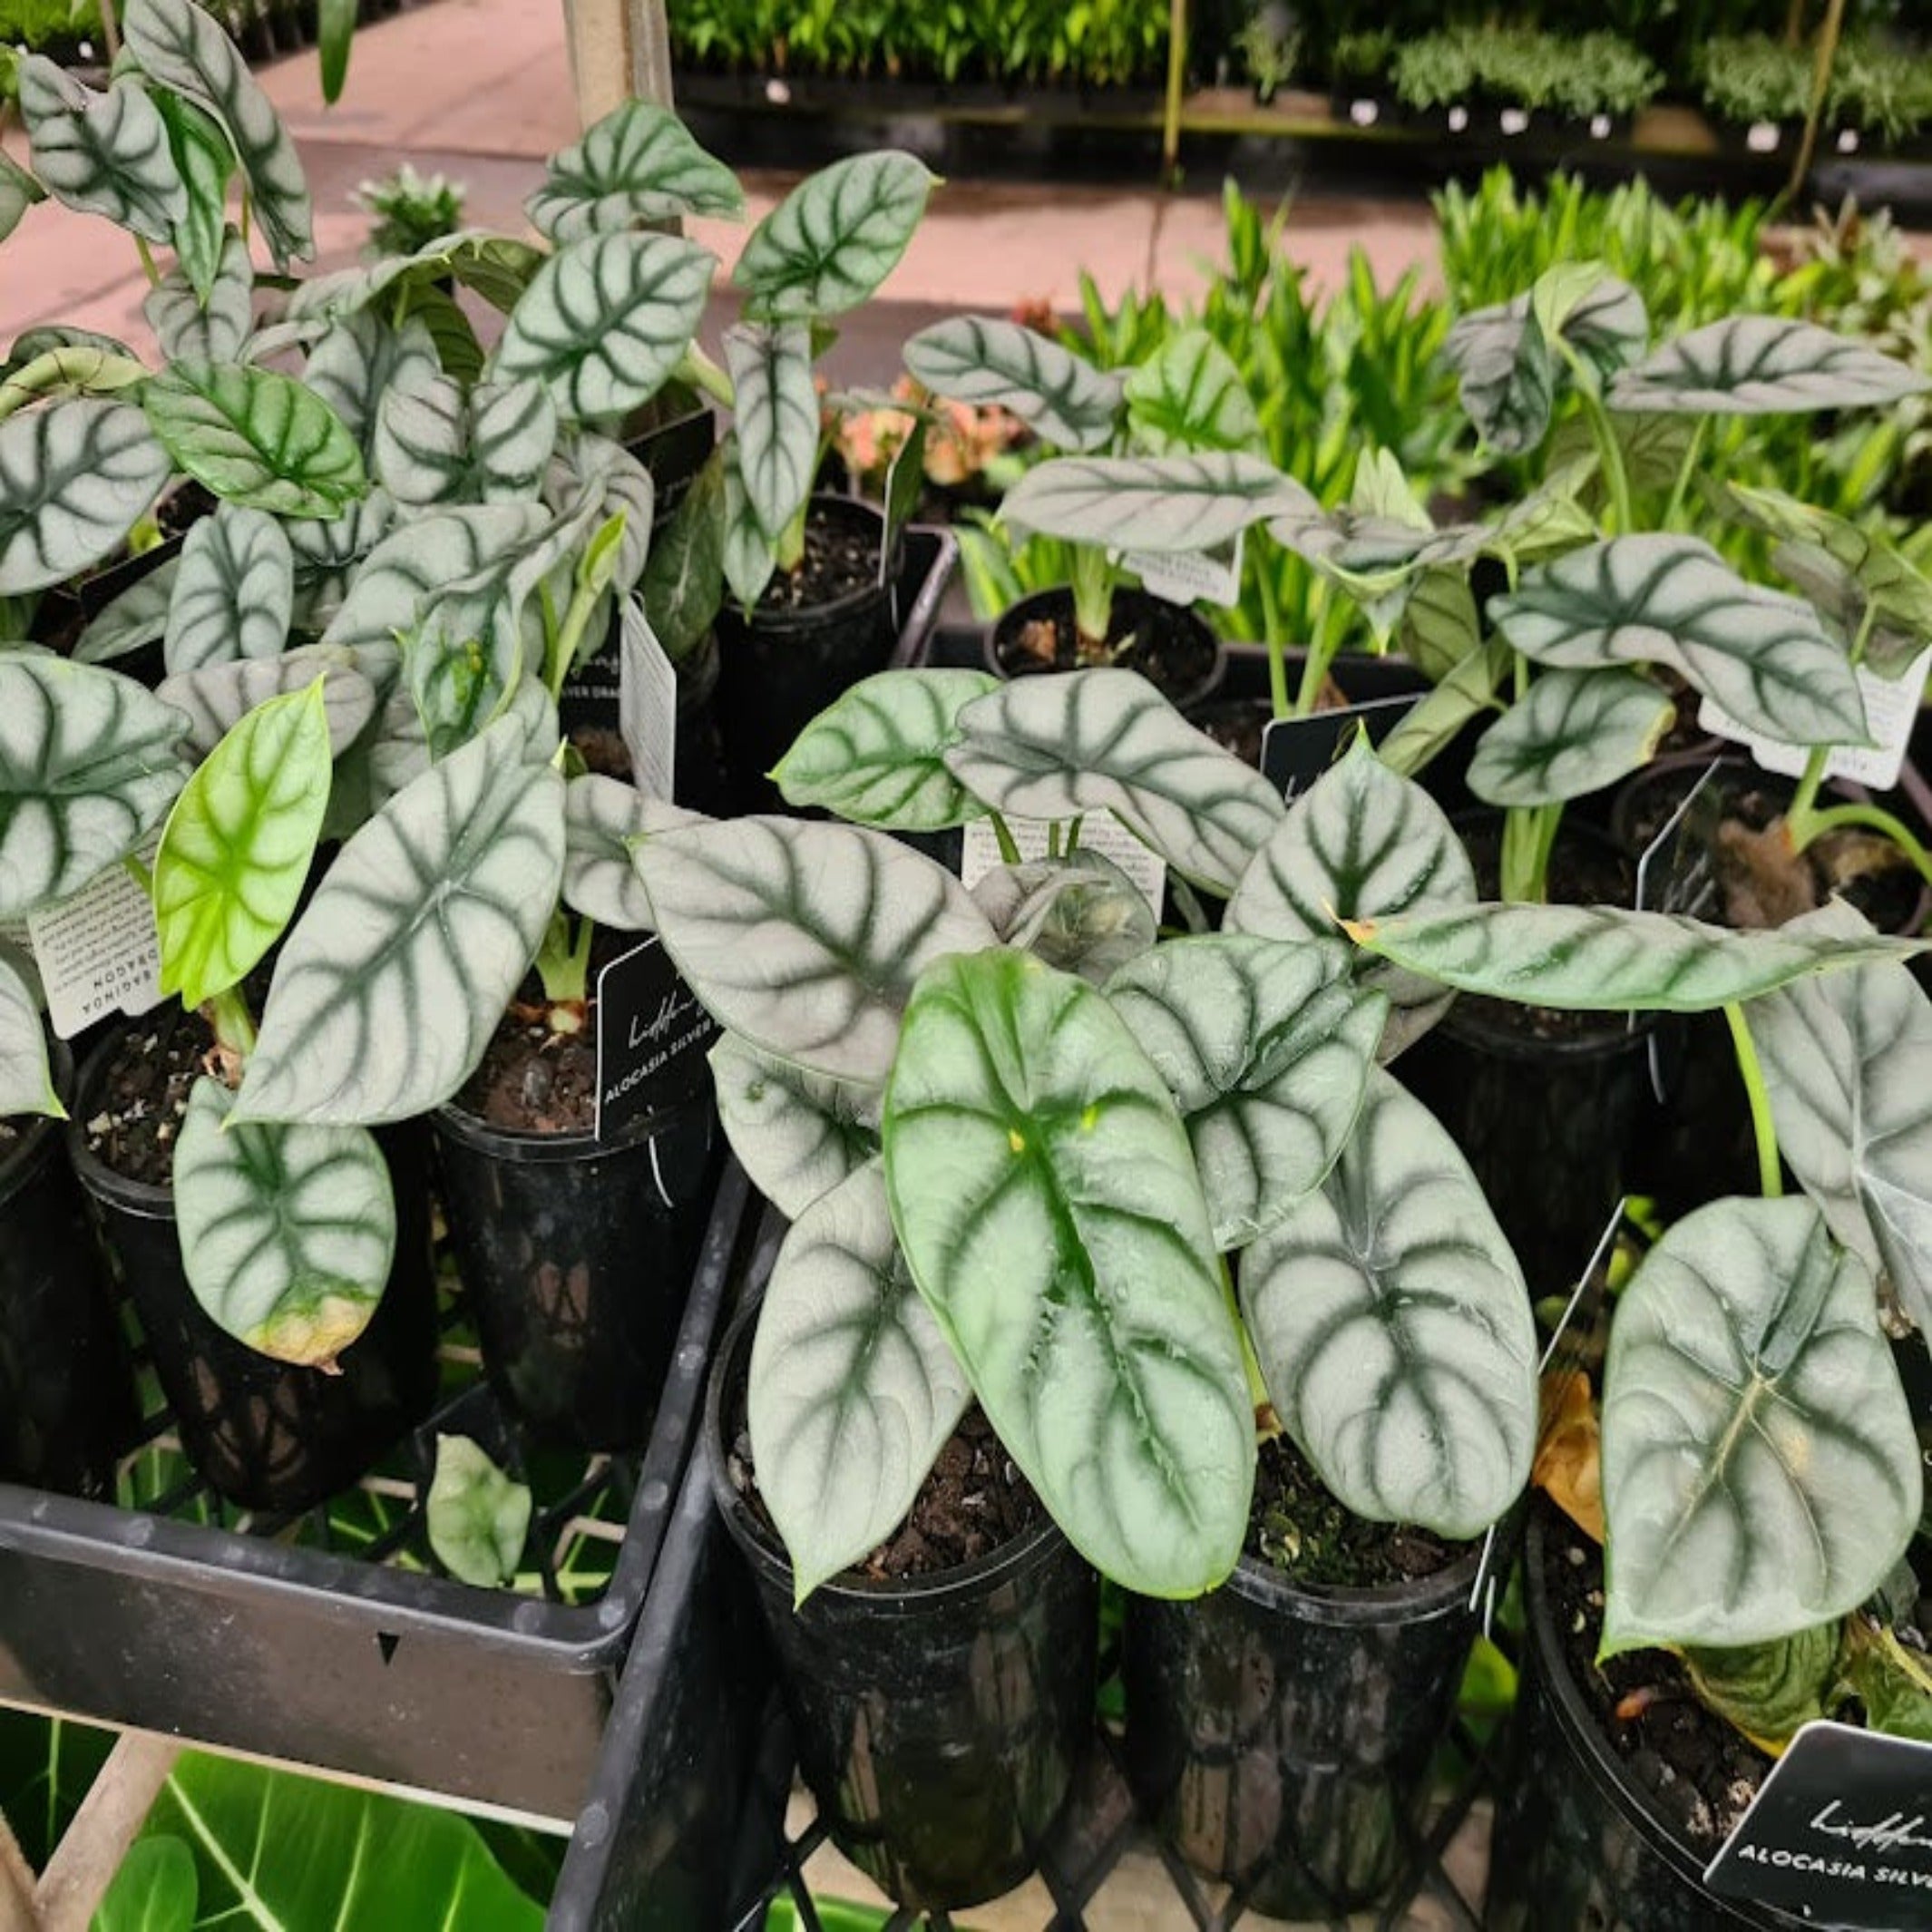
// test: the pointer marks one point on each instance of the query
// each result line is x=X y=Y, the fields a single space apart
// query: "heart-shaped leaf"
x=1575 y=733
x=798 y=1135
x=18 y=192
x=1672 y=601
x=777 y=418
x=74 y=478
x=1760 y=1470
x=181 y=46
x=854 y=1390
x=237 y=846
x=1147 y=502
x=394 y=980
x=87 y=770
x=1061 y=397
x=604 y=820
x=1603 y=959
x=607 y=320
x=256 y=438
x=363 y=359
x=877 y=755
x=132 y=621
x=1047 y=1203
x=1056 y=747
x=806 y=938
x=438 y=441
x=1360 y=844
x=102 y=154
x=206 y=164
x=637 y=164
x=829 y=243
x=212 y=701
x=1189 y=395
x=1267 y=1049
x=26 y=1080
x=214 y=328
x=478 y=1519
x=1394 y=1329
x=287 y=1232
x=235 y=592
x=1762 y=365
x=1080 y=913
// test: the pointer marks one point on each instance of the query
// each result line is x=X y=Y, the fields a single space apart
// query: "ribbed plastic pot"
x=1577 y=1848
x=1138 y=617
x=264 y=1433
x=66 y=1386
x=576 y=1255
x=940 y=1721
x=1280 y=1736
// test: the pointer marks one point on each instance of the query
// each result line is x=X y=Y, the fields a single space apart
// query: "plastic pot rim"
x=1444 y=1593
x=763 y=622
x=1057 y=596
x=147 y=1199
x=532 y=1146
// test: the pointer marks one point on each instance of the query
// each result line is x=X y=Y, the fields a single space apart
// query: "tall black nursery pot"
x=263 y=1433
x=1280 y=1736
x=939 y=1721
x=1576 y=1846
x=779 y=669
x=575 y=1255
x=1170 y=644
x=66 y=1386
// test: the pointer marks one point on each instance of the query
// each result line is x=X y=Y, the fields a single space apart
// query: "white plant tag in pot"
x=1100 y=832
x=1190 y=577
x=98 y=952
x=1891 y=710
x=647 y=703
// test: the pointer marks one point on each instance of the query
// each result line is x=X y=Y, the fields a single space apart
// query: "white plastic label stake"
x=1190 y=577
x=1100 y=832
x=647 y=704
x=98 y=952
x=1891 y=709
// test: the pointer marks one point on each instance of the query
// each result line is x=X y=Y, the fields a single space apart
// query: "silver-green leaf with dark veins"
x=777 y=415
x=1762 y=365
x=74 y=478
x=1575 y=733
x=637 y=164
x=796 y=1134
x=137 y=618
x=603 y=820
x=1061 y=397
x=830 y=243
x=1187 y=503
x=217 y=698
x=26 y=1078
x=102 y=154
x=235 y=592
x=1080 y=913
x=191 y=329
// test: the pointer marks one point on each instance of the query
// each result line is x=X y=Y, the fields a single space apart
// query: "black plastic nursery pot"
x=67 y=1409
x=940 y=1721
x=1170 y=645
x=1281 y=1737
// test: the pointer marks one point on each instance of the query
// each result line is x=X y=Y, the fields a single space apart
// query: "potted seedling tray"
x=334 y=1640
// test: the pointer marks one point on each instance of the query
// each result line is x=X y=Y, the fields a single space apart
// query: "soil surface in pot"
x=839 y=561
x=137 y=1117
x=1296 y=1527
x=974 y=1501
x=1158 y=639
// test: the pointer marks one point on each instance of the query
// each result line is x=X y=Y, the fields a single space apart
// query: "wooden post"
x=1170 y=133
x=1827 y=42
x=620 y=49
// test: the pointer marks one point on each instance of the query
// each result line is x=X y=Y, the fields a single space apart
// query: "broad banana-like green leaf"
x=1360 y=844
x=1672 y=601
x=18 y=192
x=1769 y=1692
x=798 y=1135
x=1056 y=747
x=438 y=442
x=829 y=243
x=394 y=980
x=206 y=164
x=637 y=164
x=102 y=154
x=87 y=770
x=1046 y=1201
x=156 y=1890
x=748 y=556
x=1267 y=1049
x=1573 y=734
x=777 y=415
x=361 y=360
x=606 y=321
x=74 y=478
x=239 y=844
x=478 y=1519
x=183 y=48
x=684 y=576
x=1760 y=1470
x=1147 y=502
x=1605 y=959
x=213 y=700
x=214 y=328
x=1189 y=395
x=1080 y=913
x=877 y=755
x=1847 y=1059
x=235 y=593
x=287 y=1232
x=26 y=1079
x=1762 y=365
x=854 y=1390
x=806 y=938
x=134 y=619
x=256 y=438
x=1394 y=1329
x=603 y=820
x=1061 y=397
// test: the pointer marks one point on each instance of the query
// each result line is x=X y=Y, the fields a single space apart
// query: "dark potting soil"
x=1238 y=724
x=840 y=560
x=1702 y=1773
x=1296 y=1527
x=974 y=1501
x=532 y=1080
x=1158 y=639
x=138 y=1116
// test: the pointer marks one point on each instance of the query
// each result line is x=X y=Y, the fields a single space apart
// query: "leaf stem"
x=1873 y=818
x=1009 y=851
x=700 y=373
x=1271 y=629
x=149 y=266
x=1610 y=454
x=1681 y=489
x=234 y=1027
x=1771 y=1179
x=1315 y=669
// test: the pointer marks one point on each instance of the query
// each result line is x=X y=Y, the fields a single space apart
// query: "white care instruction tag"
x=647 y=704
x=1189 y=576
x=1891 y=709
x=98 y=952
x=1100 y=832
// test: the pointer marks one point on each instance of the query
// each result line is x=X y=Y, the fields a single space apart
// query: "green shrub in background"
x=1574 y=75
x=37 y=23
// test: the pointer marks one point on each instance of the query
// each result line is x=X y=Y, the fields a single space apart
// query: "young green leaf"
x=1394 y=1329
x=1762 y=365
x=74 y=478
x=1189 y=395
x=637 y=164
x=478 y=1519
x=1267 y=1050
x=830 y=243
x=1080 y=913
x=235 y=593
x=1047 y=1203
x=1575 y=733
x=1061 y=397
x=286 y=1233
x=466 y=652
x=439 y=442
x=777 y=415
x=798 y=1135
x=102 y=154
x=854 y=1390
x=1056 y=747
x=205 y=162
x=26 y=1080
x=1190 y=502
x=137 y=618
x=239 y=845
x=191 y=327
x=213 y=700
x=1748 y=1393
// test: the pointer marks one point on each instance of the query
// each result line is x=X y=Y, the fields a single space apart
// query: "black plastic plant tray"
x=332 y=1641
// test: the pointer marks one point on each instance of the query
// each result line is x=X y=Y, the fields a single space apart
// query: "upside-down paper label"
x=1190 y=576
x=1100 y=832
x=98 y=952
x=1891 y=710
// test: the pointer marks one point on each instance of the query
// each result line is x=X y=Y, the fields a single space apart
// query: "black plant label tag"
x=1840 y=1833
x=1296 y=751
x=652 y=1035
